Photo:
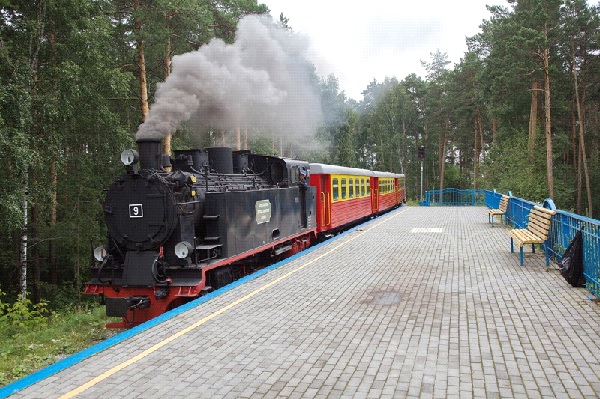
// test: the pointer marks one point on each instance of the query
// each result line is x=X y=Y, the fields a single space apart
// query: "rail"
x=454 y=197
x=563 y=228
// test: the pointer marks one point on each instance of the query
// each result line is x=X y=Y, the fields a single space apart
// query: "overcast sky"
x=359 y=41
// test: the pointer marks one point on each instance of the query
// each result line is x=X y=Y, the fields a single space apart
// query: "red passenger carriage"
x=347 y=195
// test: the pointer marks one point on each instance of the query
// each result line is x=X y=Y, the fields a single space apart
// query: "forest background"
x=519 y=112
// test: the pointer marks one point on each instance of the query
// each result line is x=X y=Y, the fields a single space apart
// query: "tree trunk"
x=53 y=219
x=581 y=116
x=442 y=157
x=35 y=220
x=548 y=124
x=531 y=144
x=141 y=64
x=238 y=138
x=575 y=154
x=167 y=62
x=33 y=67
x=579 y=206
x=475 y=154
x=481 y=135
x=24 y=243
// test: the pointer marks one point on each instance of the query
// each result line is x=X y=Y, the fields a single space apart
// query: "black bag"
x=571 y=265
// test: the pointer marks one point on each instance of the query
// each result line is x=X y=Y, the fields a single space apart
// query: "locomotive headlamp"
x=183 y=249
x=100 y=253
x=129 y=157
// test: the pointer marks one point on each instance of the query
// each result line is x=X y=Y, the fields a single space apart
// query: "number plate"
x=136 y=211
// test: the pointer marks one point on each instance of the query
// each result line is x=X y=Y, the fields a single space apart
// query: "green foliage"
x=509 y=168
x=262 y=145
x=25 y=348
x=22 y=315
x=453 y=177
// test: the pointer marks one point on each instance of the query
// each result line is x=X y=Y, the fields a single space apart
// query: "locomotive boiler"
x=182 y=226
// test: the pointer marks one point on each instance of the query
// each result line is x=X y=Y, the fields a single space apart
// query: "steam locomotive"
x=180 y=227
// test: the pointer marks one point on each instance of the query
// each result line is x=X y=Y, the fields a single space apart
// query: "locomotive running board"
x=282 y=250
x=206 y=256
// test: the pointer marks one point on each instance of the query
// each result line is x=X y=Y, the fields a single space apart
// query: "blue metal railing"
x=453 y=197
x=564 y=226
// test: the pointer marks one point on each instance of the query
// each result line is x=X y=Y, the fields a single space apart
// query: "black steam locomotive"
x=181 y=226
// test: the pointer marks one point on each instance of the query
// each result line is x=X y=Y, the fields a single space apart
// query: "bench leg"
x=532 y=248
x=512 y=246
x=521 y=254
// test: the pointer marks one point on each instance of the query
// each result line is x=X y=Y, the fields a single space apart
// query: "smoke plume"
x=263 y=81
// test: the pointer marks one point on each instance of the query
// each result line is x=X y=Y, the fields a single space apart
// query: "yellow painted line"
x=180 y=333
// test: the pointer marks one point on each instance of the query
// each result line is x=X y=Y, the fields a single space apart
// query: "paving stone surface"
x=420 y=303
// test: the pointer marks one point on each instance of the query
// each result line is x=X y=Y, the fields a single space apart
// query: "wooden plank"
x=545 y=210
x=525 y=236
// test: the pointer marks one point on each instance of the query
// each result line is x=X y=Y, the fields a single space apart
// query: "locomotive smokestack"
x=221 y=159
x=150 y=151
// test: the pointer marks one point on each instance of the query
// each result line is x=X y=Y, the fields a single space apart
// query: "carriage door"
x=325 y=200
x=374 y=194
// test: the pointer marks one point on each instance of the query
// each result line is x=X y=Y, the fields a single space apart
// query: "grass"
x=25 y=349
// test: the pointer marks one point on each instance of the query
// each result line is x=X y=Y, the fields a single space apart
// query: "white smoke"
x=262 y=81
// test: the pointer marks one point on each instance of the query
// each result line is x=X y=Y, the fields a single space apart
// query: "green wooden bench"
x=538 y=227
x=501 y=211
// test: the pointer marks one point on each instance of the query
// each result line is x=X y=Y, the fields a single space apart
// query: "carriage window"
x=363 y=188
x=350 y=188
x=357 y=187
x=344 y=189
x=368 y=186
x=336 y=189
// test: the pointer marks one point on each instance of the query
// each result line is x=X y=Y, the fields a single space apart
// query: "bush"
x=23 y=315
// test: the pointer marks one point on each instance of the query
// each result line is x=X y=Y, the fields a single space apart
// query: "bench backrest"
x=538 y=221
x=504 y=203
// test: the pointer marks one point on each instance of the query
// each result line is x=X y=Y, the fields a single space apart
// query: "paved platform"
x=422 y=302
